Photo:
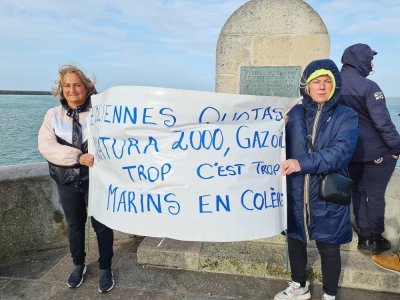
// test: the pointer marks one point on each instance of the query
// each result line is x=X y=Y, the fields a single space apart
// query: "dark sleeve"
x=380 y=118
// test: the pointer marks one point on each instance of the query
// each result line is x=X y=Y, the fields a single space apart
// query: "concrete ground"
x=43 y=276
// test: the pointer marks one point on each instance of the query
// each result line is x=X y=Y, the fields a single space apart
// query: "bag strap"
x=309 y=136
x=311 y=144
x=310 y=141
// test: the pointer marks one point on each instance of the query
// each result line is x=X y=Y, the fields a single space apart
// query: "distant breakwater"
x=12 y=92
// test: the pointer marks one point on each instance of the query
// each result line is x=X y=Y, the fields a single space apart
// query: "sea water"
x=20 y=119
x=22 y=115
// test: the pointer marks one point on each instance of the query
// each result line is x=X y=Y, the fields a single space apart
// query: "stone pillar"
x=268 y=33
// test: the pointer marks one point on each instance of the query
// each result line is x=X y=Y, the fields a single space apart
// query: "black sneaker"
x=106 y=282
x=380 y=245
x=76 y=277
x=364 y=244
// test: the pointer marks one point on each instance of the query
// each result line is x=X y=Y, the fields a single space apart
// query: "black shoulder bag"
x=332 y=187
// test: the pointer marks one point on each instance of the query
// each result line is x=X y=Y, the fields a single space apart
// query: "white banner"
x=188 y=165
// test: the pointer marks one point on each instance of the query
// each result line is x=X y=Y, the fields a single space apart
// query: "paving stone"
x=27 y=289
x=32 y=266
x=135 y=281
x=170 y=253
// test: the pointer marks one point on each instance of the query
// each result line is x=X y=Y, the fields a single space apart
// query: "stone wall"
x=31 y=215
x=392 y=211
x=268 y=33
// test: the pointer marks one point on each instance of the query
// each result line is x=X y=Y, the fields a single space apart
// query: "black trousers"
x=74 y=202
x=370 y=180
x=330 y=262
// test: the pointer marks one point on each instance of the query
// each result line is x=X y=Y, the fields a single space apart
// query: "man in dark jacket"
x=377 y=150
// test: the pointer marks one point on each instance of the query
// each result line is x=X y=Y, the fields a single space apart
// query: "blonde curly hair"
x=88 y=83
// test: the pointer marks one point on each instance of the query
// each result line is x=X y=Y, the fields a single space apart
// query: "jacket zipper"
x=306 y=209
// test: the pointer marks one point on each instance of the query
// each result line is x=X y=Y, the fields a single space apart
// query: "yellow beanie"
x=321 y=72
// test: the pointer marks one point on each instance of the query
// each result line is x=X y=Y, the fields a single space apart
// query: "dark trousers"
x=370 y=180
x=74 y=203
x=330 y=262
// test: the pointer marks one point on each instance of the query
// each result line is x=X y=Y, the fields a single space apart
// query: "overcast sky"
x=166 y=43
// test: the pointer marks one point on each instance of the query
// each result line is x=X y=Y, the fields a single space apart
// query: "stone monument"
x=264 y=46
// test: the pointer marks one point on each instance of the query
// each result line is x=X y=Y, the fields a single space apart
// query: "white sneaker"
x=294 y=291
x=328 y=297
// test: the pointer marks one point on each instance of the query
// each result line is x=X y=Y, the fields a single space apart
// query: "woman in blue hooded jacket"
x=333 y=131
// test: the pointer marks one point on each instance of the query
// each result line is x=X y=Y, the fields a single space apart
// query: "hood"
x=313 y=66
x=358 y=56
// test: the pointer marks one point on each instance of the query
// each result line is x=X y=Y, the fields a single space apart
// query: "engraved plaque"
x=270 y=81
